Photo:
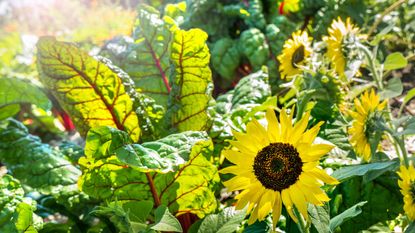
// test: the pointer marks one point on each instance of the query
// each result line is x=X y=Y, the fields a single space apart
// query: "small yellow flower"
x=339 y=32
x=407 y=185
x=277 y=165
x=295 y=53
x=289 y=6
x=365 y=108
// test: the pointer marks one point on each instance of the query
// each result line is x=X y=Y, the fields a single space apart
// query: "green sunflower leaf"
x=369 y=171
x=165 y=221
x=106 y=177
x=91 y=91
x=191 y=81
x=395 y=61
x=346 y=215
x=14 y=91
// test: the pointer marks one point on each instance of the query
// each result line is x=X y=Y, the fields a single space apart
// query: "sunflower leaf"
x=165 y=221
x=395 y=61
x=346 y=215
x=320 y=217
x=348 y=172
x=88 y=89
x=105 y=177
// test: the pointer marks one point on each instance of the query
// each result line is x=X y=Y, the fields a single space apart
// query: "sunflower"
x=294 y=54
x=340 y=34
x=277 y=165
x=407 y=185
x=366 y=109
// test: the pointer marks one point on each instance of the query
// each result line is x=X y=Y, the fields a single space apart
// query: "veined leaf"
x=15 y=91
x=16 y=211
x=228 y=220
x=106 y=177
x=192 y=81
x=147 y=59
x=39 y=166
x=225 y=57
x=86 y=88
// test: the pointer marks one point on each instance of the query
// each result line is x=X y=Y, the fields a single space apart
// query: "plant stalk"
x=301 y=223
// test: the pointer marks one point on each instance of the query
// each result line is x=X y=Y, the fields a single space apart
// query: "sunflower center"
x=278 y=166
x=298 y=56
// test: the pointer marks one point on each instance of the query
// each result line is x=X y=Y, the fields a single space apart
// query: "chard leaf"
x=228 y=220
x=191 y=81
x=14 y=91
x=40 y=167
x=147 y=59
x=106 y=177
x=225 y=57
x=90 y=90
x=254 y=46
x=16 y=211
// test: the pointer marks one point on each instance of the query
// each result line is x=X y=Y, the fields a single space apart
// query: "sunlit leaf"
x=346 y=215
x=395 y=61
x=106 y=177
x=191 y=81
x=86 y=88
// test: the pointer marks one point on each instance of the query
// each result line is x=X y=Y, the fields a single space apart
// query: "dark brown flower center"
x=298 y=56
x=278 y=166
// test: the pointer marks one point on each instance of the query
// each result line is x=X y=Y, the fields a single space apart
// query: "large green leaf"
x=147 y=59
x=346 y=215
x=106 y=177
x=226 y=221
x=395 y=61
x=226 y=57
x=41 y=167
x=191 y=81
x=383 y=188
x=35 y=164
x=16 y=211
x=254 y=46
x=370 y=171
x=90 y=90
x=16 y=91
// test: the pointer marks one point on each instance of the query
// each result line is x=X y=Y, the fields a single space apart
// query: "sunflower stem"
x=301 y=223
x=372 y=66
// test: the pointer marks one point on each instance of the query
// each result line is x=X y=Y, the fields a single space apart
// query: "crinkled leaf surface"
x=35 y=164
x=191 y=81
x=86 y=88
x=106 y=177
x=226 y=57
x=39 y=166
x=228 y=220
x=16 y=211
x=254 y=46
x=147 y=59
x=15 y=91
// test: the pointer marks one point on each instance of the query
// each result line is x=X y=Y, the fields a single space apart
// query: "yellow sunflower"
x=407 y=185
x=295 y=53
x=339 y=32
x=366 y=107
x=277 y=165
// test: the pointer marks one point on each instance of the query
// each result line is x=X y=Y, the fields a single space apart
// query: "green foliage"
x=346 y=215
x=228 y=220
x=105 y=177
x=14 y=91
x=89 y=89
x=16 y=214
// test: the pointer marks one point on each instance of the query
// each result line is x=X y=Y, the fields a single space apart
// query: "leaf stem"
x=153 y=190
x=384 y=13
x=301 y=223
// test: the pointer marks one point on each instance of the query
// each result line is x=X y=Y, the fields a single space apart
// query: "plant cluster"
x=215 y=116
